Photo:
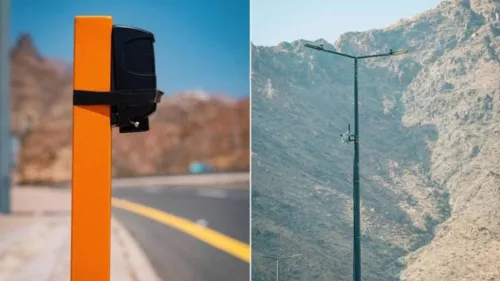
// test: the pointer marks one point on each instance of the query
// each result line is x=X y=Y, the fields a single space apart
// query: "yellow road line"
x=213 y=238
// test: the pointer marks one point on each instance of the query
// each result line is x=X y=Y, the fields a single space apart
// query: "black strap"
x=120 y=98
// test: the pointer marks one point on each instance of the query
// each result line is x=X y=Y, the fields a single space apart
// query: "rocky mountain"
x=190 y=126
x=429 y=134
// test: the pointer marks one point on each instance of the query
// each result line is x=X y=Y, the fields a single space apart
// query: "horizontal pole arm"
x=340 y=54
x=392 y=53
x=320 y=48
x=374 y=56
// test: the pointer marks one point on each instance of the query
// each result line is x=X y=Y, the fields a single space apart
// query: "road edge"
x=139 y=265
x=183 y=180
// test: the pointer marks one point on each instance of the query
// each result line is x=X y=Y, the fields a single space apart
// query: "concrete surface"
x=177 y=256
x=35 y=241
x=224 y=180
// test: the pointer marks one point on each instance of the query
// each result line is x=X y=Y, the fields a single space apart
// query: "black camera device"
x=133 y=96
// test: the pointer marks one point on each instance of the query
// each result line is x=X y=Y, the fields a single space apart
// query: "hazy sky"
x=274 y=21
x=200 y=44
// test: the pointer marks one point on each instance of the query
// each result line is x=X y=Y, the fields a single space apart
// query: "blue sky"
x=200 y=44
x=274 y=21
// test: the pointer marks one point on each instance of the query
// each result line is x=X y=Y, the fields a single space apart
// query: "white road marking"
x=214 y=193
x=202 y=222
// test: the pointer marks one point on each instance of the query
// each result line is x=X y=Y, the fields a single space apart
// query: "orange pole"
x=91 y=181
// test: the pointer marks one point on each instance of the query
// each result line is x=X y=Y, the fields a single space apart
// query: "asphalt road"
x=177 y=256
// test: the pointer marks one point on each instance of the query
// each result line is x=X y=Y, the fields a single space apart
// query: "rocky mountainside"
x=186 y=127
x=429 y=134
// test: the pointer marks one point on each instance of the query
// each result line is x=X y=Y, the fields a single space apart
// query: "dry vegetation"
x=185 y=128
x=430 y=128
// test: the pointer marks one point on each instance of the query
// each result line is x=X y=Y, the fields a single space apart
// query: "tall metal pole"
x=355 y=138
x=5 y=136
x=357 y=215
x=277 y=269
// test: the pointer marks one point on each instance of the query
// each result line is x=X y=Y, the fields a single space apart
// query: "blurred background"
x=194 y=161
x=202 y=58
